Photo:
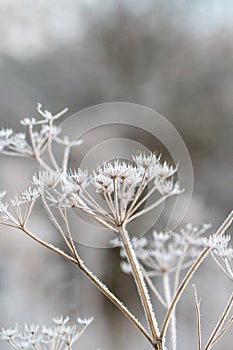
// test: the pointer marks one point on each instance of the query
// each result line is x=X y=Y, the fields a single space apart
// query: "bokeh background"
x=175 y=57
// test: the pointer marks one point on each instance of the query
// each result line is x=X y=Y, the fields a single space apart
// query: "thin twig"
x=149 y=208
x=153 y=288
x=217 y=329
x=221 y=267
x=223 y=331
x=178 y=269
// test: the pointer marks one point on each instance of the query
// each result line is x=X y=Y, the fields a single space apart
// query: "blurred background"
x=175 y=57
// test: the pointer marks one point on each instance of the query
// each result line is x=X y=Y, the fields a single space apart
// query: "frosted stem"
x=139 y=280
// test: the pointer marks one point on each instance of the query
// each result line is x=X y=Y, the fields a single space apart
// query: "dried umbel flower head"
x=166 y=250
x=60 y=336
x=123 y=183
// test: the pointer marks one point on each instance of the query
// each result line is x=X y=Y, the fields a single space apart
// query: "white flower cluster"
x=16 y=213
x=61 y=336
x=41 y=133
x=219 y=244
x=122 y=184
x=11 y=143
x=166 y=250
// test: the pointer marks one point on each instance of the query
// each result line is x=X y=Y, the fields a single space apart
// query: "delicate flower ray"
x=61 y=336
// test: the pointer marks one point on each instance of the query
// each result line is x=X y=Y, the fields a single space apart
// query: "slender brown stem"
x=219 y=324
x=139 y=280
x=223 y=331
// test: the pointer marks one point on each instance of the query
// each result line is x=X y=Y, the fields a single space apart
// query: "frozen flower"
x=218 y=242
x=145 y=160
x=168 y=187
x=28 y=121
x=61 y=336
x=17 y=201
x=165 y=170
x=79 y=177
x=192 y=234
x=102 y=183
x=5 y=138
x=47 y=178
x=85 y=321
x=7 y=334
x=19 y=141
x=30 y=194
x=47 y=130
x=32 y=329
x=117 y=169
x=61 y=321
x=5 y=133
x=160 y=236
x=165 y=250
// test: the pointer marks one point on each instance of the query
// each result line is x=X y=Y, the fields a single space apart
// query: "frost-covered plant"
x=166 y=255
x=60 y=336
x=122 y=187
